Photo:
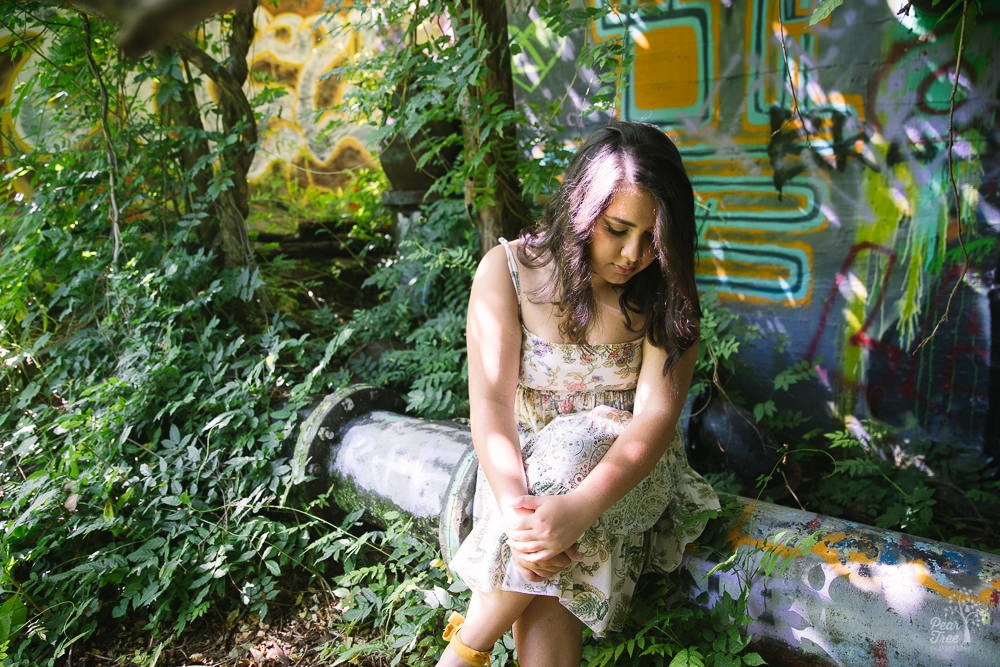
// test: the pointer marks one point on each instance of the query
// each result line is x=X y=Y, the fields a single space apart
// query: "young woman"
x=582 y=340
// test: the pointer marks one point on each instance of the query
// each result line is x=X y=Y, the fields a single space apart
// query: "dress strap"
x=512 y=266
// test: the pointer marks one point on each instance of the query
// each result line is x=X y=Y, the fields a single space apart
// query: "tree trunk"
x=494 y=198
x=227 y=232
x=185 y=112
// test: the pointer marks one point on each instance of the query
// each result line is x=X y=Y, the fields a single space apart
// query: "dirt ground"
x=293 y=635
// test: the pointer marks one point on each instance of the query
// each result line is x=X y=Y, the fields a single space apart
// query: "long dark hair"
x=618 y=155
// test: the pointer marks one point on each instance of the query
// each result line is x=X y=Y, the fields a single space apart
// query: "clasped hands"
x=542 y=532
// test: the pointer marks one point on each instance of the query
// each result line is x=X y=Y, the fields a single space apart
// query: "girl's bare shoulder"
x=492 y=263
x=493 y=282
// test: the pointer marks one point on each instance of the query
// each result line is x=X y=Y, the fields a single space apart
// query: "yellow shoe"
x=471 y=656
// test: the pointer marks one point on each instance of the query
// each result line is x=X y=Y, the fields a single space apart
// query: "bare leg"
x=490 y=615
x=546 y=634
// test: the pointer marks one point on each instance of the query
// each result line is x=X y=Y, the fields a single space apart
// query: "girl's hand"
x=532 y=567
x=543 y=527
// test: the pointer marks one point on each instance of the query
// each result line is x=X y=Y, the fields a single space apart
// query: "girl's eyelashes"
x=615 y=232
x=647 y=236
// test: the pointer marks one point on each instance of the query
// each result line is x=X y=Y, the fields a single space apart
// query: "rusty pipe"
x=822 y=590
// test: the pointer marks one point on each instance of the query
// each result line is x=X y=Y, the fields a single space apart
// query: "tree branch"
x=149 y=24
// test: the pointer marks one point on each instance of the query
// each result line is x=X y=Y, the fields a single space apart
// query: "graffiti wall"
x=846 y=175
x=296 y=47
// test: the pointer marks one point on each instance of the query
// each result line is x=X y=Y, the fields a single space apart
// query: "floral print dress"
x=572 y=401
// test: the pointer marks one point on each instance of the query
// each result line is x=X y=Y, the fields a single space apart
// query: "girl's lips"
x=621 y=270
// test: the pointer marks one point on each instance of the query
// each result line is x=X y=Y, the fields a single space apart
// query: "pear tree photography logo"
x=960 y=621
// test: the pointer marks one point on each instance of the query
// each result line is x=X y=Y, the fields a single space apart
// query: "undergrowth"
x=147 y=395
x=886 y=477
x=861 y=470
x=395 y=594
x=412 y=339
x=143 y=432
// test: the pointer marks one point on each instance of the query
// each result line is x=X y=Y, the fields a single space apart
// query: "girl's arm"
x=493 y=337
x=557 y=522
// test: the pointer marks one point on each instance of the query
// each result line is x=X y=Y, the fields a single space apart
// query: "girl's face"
x=622 y=243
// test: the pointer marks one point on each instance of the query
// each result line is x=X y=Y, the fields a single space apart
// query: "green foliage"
x=413 y=339
x=714 y=632
x=143 y=425
x=823 y=10
x=778 y=556
x=420 y=63
x=721 y=358
x=873 y=480
x=345 y=234
x=404 y=87
x=667 y=629
x=865 y=471
x=12 y=617
x=877 y=475
x=143 y=444
x=722 y=336
x=394 y=593
x=358 y=216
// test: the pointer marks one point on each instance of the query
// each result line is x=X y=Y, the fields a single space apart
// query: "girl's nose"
x=632 y=249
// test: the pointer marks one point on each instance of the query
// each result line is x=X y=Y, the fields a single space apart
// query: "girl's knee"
x=547 y=634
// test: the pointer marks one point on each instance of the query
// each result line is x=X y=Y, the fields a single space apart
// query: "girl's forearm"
x=499 y=452
x=629 y=460
x=658 y=405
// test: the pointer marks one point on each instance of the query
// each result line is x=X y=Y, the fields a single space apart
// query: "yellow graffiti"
x=298 y=52
x=10 y=70
x=296 y=49
x=668 y=52
x=843 y=562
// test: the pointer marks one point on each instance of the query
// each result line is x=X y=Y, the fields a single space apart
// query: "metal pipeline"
x=822 y=591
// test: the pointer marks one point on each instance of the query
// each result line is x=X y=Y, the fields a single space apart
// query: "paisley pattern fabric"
x=572 y=402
